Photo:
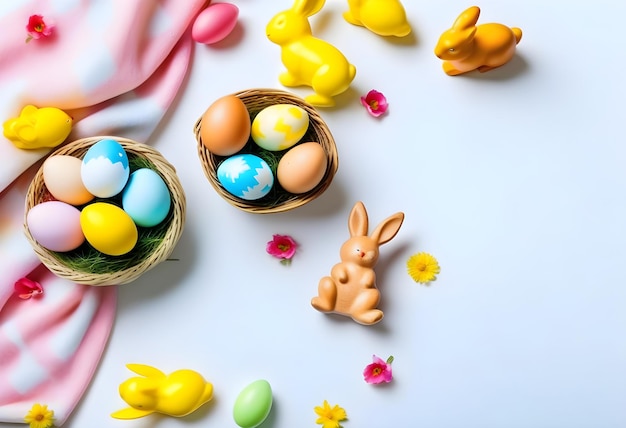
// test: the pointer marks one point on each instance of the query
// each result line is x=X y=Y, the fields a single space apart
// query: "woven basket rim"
x=162 y=251
x=255 y=99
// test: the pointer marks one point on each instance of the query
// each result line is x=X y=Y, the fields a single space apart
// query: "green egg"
x=253 y=404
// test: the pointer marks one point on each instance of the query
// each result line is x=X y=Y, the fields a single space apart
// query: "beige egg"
x=225 y=126
x=302 y=167
x=61 y=175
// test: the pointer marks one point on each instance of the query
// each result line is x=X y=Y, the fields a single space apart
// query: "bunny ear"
x=307 y=7
x=467 y=19
x=358 y=223
x=145 y=370
x=388 y=228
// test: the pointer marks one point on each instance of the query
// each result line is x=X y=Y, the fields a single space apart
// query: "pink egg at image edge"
x=214 y=23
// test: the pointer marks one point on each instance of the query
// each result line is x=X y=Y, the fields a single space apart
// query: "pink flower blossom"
x=282 y=247
x=38 y=28
x=375 y=103
x=379 y=371
x=27 y=288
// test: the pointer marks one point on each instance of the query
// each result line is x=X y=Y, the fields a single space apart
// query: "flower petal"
x=27 y=288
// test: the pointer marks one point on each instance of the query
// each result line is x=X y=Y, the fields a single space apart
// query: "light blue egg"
x=246 y=176
x=146 y=198
x=105 y=169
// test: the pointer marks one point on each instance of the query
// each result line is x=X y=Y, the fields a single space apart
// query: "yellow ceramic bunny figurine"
x=466 y=46
x=383 y=17
x=38 y=127
x=309 y=61
x=177 y=394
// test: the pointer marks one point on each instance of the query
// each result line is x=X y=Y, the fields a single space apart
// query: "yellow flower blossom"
x=329 y=417
x=422 y=267
x=40 y=416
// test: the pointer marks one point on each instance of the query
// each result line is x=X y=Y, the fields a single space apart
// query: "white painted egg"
x=146 y=198
x=105 y=168
x=246 y=176
x=279 y=126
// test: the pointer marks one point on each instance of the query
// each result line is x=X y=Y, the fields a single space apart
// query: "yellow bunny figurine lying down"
x=38 y=127
x=382 y=17
x=177 y=394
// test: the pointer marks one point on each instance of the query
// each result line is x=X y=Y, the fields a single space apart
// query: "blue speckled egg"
x=246 y=176
x=105 y=169
x=146 y=198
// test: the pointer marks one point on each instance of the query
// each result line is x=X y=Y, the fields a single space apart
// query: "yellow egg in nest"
x=108 y=228
x=279 y=126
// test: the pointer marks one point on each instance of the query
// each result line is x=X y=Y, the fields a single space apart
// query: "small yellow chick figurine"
x=177 y=394
x=382 y=17
x=38 y=127
x=466 y=46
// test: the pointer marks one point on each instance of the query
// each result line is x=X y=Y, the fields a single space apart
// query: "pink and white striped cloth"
x=115 y=66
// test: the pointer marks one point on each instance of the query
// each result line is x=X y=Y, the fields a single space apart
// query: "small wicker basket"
x=277 y=200
x=173 y=225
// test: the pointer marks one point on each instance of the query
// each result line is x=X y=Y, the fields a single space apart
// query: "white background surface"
x=513 y=179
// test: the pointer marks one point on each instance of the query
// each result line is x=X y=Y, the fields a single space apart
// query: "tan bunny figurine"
x=351 y=287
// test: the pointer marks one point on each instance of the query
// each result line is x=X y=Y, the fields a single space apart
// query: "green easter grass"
x=87 y=259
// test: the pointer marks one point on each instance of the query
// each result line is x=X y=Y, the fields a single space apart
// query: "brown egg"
x=225 y=126
x=302 y=167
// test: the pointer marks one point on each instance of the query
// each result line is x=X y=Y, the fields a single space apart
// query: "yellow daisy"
x=39 y=416
x=329 y=417
x=423 y=267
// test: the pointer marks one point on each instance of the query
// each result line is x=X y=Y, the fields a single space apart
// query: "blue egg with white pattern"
x=245 y=176
x=105 y=168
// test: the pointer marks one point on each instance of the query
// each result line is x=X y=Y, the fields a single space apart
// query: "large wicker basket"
x=277 y=201
x=38 y=193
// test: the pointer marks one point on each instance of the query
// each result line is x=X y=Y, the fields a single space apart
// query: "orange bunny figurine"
x=351 y=287
x=466 y=47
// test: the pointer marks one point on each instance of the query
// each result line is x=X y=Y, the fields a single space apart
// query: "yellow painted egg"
x=279 y=126
x=302 y=167
x=108 y=228
x=62 y=177
x=225 y=126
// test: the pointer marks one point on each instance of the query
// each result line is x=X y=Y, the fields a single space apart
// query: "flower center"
x=283 y=247
x=39 y=417
x=376 y=371
x=374 y=104
x=39 y=28
x=421 y=267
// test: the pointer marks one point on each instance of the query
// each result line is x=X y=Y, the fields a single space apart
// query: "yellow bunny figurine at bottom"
x=38 y=127
x=177 y=394
x=466 y=47
x=351 y=287
x=309 y=61
x=383 y=17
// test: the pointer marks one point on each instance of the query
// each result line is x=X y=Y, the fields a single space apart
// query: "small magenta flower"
x=379 y=371
x=375 y=103
x=27 y=288
x=38 y=28
x=282 y=247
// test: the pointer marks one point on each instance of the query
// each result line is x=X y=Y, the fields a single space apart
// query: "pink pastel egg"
x=214 y=23
x=55 y=225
